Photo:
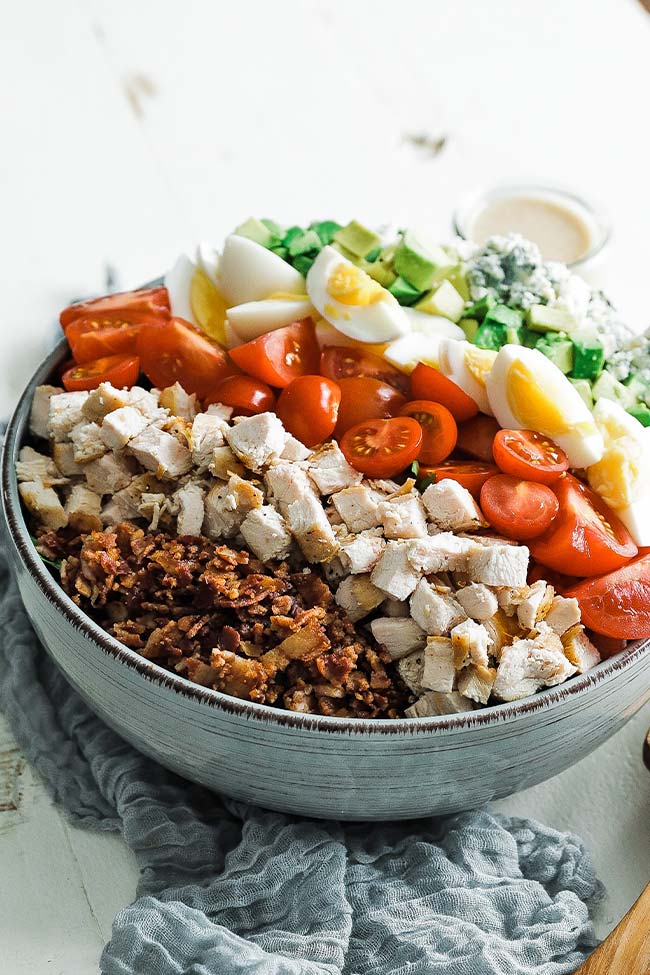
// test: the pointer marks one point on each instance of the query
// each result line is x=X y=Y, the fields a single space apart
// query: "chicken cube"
x=535 y=604
x=579 y=650
x=439 y=673
x=476 y=682
x=226 y=506
x=32 y=466
x=433 y=703
x=311 y=529
x=294 y=450
x=63 y=454
x=437 y=613
x=287 y=483
x=146 y=402
x=403 y=517
x=191 y=508
x=127 y=503
x=358 y=596
x=221 y=410
x=207 y=434
x=39 y=416
x=83 y=509
x=526 y=666
x=411 y=669
x=224 y=463
x=257 y=440
x=161 y=453
x=110 y=473
x=103 y=400
x=360 y=553
x=510 y=598
x=479 y=602
x=452 y=507
x=330 y=471
x=178 y=402
x=394 y=574
x=499 y=565
x=563 y=614
x=358 y=507
x=120 y=426
x=266 y=534
x=445 y=552
x=395 y=608
x=471 y=643
x=399 y=636
x=44 y=503
x=87 y=442
x=65 y=413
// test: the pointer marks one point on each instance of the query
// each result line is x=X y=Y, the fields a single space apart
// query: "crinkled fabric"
x=230 y=889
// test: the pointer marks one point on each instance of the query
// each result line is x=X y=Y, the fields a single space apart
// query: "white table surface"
x=132 y=130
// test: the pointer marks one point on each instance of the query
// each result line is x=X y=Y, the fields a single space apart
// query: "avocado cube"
x=589 y=357
x=559 y=350
x=470 y=327
x=639 y=388
x=255 y=230
x=445 y=301
x=608 y=387
x=307 y=242
x=541 y=318
x=641 y=413
x=491 y=336
x=281 y=252
x=529 y=338
x=405 y=293
x=303 y=263
x=291 y=235
x=481 y=307
x=418 y=262
x=502 y=315
x=456 y=274
x=372 y=255
x=584 y=388
x=348 y=255
x=325 y=230
x=357 y=238
x=380 y=273
x=277 y=232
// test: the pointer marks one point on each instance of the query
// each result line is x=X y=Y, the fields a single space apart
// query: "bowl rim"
x=20 y=538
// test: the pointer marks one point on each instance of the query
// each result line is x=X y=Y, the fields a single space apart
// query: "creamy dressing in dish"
x=561 y=231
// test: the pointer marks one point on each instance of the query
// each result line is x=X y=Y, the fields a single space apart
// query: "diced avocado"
x=444 y=301
x=348 y=255
x=405 y=293
x=481 y=307
x=502 y=315
x=541 y=318
x=307 y=242
x=387 y=253
x=589 y=357
x=281 y=252
x=559 y=349
x=639 y=388
x=302 y=263
x=372 y=255
x=584 y=388
x=255 y=230
x=380 y=272
x=491 y=335
x=641 y=413
x=470 y=327
x=529 y=338
x=608 y=387
x=357 y=238
x=418 y=262
x=325 y=230
x=276 y=231
x=456 y=274
x=291 y=235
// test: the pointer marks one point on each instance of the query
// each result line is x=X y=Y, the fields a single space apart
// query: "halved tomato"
x=280 y=356
x=382 y=448
x=119 y=370
x=151 y=302
x=439 y=430
x=175 y=352
x=587 y=538
x=472 y=474
x=429 y=383
x=88 y=339
x=518 y=509
x=524 y=453
x=246 y=395
x=309 y=407
x=338 y=362
x=475 y=437
x=362 y=399
x=617 y=604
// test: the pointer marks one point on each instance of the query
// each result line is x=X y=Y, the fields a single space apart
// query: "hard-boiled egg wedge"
x=407 y=351
x=622 y=476
x=207 y=259
x=194 y=297
x=435 y=325
x=250 y=272
x=467 y=366
x=327 y=335
x=178 y=282
x=254 y=318
x=351 y=301
x=528 y=392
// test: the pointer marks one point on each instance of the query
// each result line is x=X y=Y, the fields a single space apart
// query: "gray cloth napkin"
x=228 y=889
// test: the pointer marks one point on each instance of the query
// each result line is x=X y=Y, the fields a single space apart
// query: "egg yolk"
x=479 y=362
x=208 y=306
x=533 y=408
x=616 y=477
x=349 y=285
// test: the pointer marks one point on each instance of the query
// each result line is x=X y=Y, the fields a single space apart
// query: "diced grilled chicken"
x=294 y=450
x=510 y=598
x=110 y=473
x=146 y=401
x=499 y=565
x=439 y=672
x=39 y=416
x=579 y=649
x=178 y=402
x=87 y=442
x=563 y=614
x=83 y=509
x=221 y=410
x=404 y=517
x=433 y=703
x=266 y=534
x=434 y=611
x=44 y=503
x=257 y=440
x=476 y=683
x=395 y=608
x=394 y=574
x=161 y=453
x=32 y=466
x=358 y=507
x=411 y=669
x=471 y=643
x=63 y=454
x=127 y=502
x=399 y=636
x=308 y=523
x=535 y=605
x=360 y=553
x=452 y=507
x=122 y=425
x=226 y=506
x=479 y=602
x=65 y=413
x=224 y=463
x=445 y=552
x=190 y=499
x=206 y=435
x=358 y=596
x=330 y=471
x=527 y=665
x=287 y=483
x=103 y=400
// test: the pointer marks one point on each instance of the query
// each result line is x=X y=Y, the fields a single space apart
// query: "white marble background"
x=131 y=130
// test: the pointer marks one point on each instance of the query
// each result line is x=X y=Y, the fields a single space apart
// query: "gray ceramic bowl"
x=325 y=767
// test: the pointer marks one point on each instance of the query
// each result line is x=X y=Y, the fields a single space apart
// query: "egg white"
x=407 y=351
x=207 y=259
x=178 y=282
x=436 y=325
x=255 y=318
x=249 y=272
x=460 y=361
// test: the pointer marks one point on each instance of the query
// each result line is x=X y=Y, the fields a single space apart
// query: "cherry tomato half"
x=382 y=447
x=475 y=437
x=439 y=430
x=472 y=474
x=309 y=407
x=175 y=352
x=518 y=509
x=617 y=604
x=151 y=302
x=119 y=370
x=280 y=356
x=587 y=538
x=524 y=453
x=338 y=362
x=362 y=399
x=247 y=396
x=88 y=339
x=429 y=383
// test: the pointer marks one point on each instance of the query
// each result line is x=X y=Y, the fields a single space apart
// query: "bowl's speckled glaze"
x=332 y=768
